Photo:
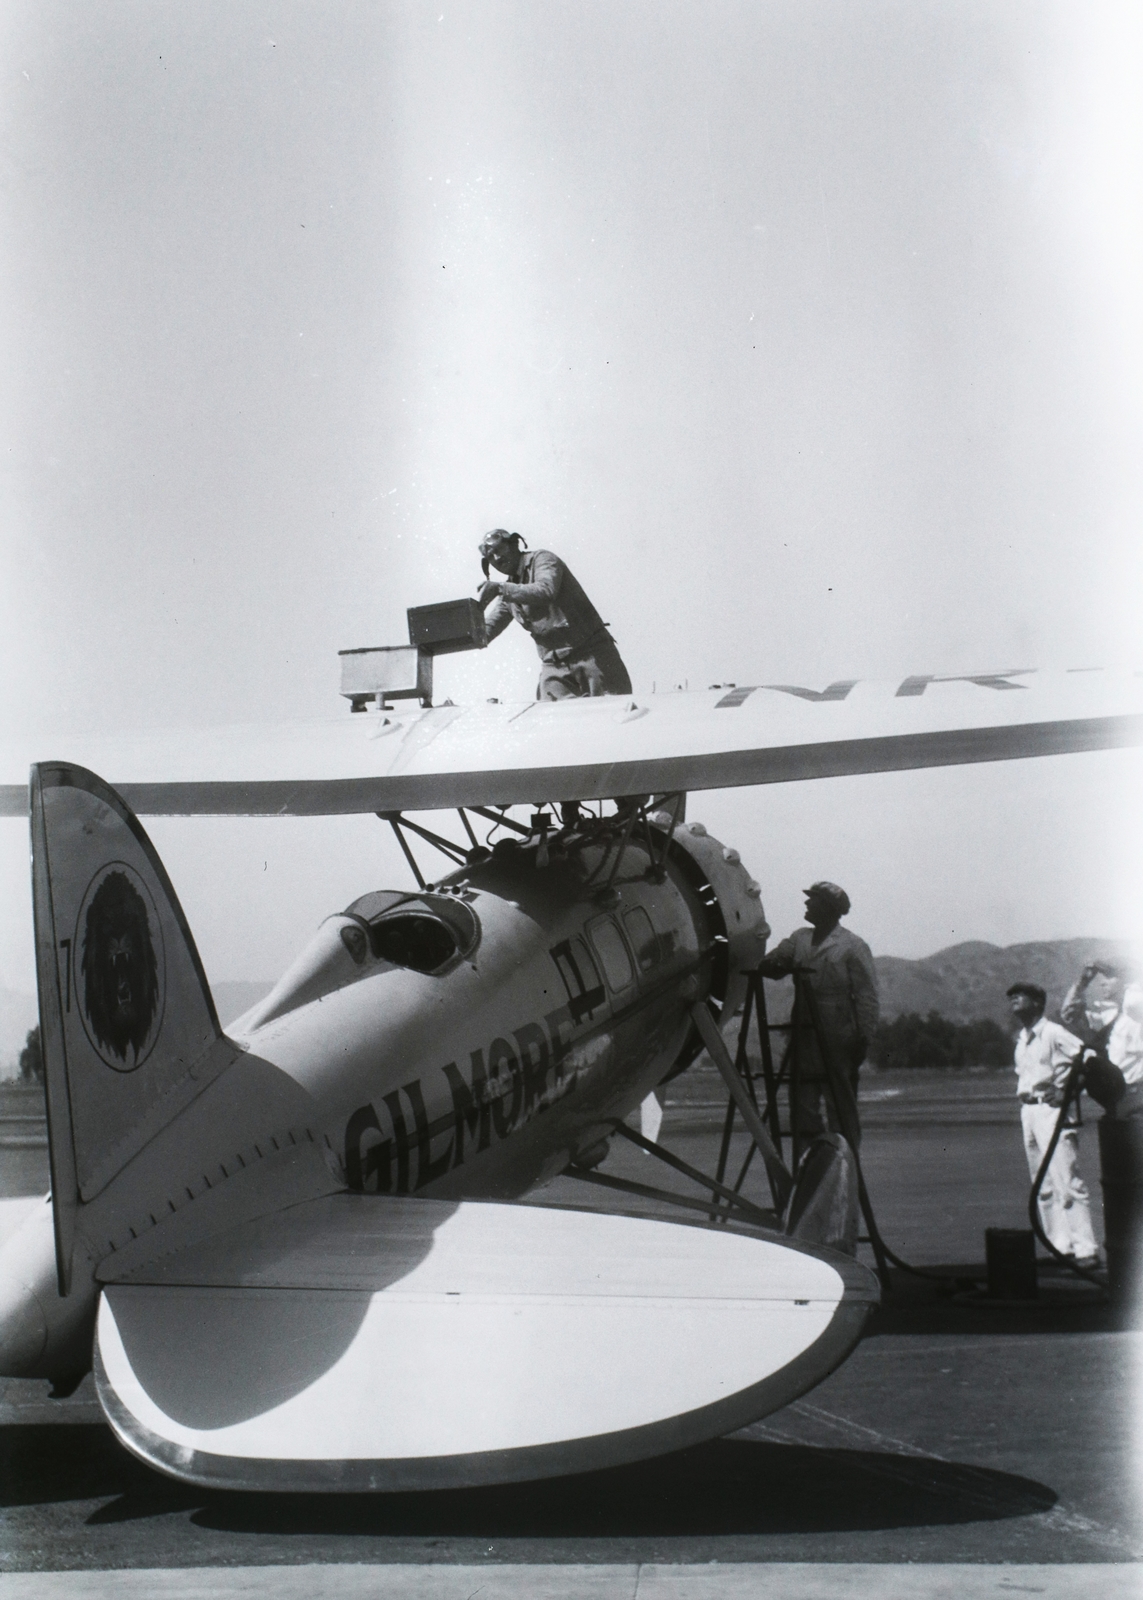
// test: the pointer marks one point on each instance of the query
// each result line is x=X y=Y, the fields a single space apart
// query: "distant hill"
x=964 y=982
x=968 y=980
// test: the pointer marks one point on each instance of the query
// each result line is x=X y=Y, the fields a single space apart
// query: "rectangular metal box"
x=386 y=672
x=1010 y=1256
x=450 y=626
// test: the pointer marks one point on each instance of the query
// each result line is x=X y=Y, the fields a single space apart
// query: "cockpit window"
x=370 y=906
x=411 y=940
x=424 y=932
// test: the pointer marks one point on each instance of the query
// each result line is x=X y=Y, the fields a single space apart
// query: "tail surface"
x=130 y=1034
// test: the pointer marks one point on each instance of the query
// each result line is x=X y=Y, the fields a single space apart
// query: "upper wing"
x=493 y=754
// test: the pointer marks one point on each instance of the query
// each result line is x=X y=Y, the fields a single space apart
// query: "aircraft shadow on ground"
x=730 y=1486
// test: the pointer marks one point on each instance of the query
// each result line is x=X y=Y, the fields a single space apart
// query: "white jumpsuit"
x=1044 y=1056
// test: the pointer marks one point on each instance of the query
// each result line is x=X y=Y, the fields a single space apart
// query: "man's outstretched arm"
x=779 y=962
x=547 y=576
x=497 y=617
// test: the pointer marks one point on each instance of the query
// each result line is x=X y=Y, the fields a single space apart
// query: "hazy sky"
x=809 y=333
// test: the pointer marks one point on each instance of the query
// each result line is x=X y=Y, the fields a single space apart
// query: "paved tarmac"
x=606 y=1581
x=963 y=1449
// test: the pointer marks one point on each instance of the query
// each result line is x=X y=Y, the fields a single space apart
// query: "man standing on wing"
x=577 y=653
x=838 y=967
x=1045 y=1054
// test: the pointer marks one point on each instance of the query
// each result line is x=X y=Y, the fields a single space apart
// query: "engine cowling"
x=733 y=903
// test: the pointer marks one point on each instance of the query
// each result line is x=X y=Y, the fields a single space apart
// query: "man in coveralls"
x=1045 y=1054
x=838 y=967
x=1107 y=1014
x=578 y=655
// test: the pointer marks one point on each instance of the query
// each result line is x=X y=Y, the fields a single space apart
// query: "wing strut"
x=392 y=819
x=457 y=854
x=604 y=1180
x=731 y=1196
x=463 y=815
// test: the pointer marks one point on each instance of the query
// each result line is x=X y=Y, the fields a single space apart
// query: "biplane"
x=306 y=1252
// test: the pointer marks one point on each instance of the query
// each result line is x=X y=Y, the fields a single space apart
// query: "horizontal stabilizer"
x=356 y=1342
x=434 y=758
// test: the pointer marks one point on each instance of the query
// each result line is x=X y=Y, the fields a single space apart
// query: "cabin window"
x=581 y=977
x=612 y=952
x=644 y=939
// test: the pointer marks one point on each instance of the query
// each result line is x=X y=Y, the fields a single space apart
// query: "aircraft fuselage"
x=488 y=1076
x=467 y=1041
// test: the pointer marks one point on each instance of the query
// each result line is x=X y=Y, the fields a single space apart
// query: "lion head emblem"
x=121 y=981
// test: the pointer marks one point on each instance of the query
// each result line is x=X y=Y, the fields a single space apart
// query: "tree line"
x=911 y=1040
x=31 y=1063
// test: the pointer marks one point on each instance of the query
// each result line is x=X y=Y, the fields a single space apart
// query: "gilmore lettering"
x=504 y=1090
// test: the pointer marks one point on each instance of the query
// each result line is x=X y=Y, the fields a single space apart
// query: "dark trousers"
x=597 y=669
x=812 y=1098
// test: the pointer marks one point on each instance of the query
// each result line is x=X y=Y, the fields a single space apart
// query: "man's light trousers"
x=1065 y=1209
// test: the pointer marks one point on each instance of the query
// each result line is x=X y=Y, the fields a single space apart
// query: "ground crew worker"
x=1045 y=1055
x=577 y=653
x=838 y=967
x=1106 y=1015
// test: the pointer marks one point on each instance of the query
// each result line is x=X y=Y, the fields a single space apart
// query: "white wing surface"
x=499 y=754
x=411 y=1344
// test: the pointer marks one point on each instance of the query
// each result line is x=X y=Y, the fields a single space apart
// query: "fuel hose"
x=846 y=1103
x=1072 y=1089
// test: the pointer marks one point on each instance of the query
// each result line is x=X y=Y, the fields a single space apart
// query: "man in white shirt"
x=1045 y=1054
x=838 y=966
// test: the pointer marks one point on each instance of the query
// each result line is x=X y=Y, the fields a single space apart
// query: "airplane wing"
x=381 y=1343
x=444 y=756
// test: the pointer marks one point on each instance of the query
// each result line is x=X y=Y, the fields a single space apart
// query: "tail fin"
x=126 y=1017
